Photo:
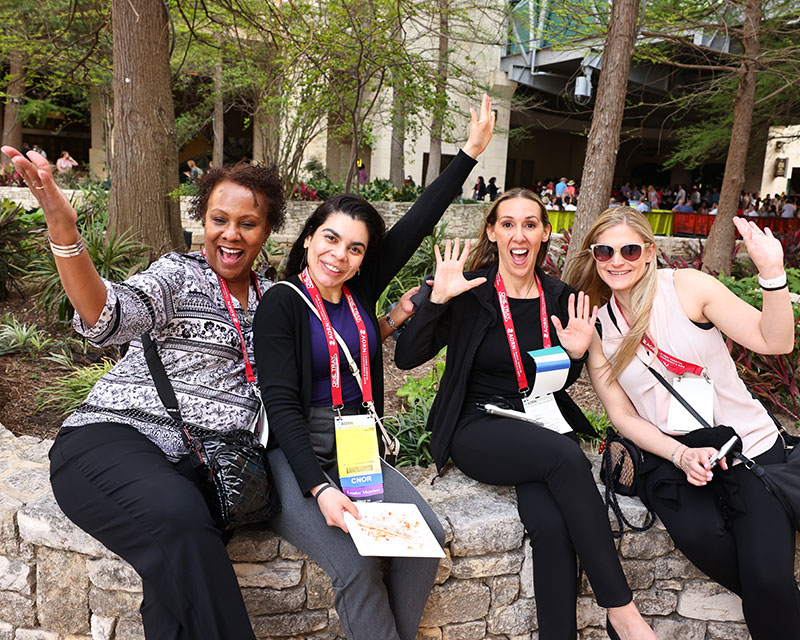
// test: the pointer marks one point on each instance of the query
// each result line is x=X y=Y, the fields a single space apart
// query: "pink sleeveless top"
x=673 y=332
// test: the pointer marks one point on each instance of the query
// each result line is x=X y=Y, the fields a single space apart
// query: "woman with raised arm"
x=339 y=266
x=119 y=468
x=516 y=339
x=672 y=322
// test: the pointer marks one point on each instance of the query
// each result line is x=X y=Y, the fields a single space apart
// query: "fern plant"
x=115 y=256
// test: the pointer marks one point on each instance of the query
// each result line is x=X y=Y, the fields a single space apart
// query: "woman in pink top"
x=724 y=520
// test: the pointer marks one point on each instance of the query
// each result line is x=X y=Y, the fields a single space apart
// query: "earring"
x=358 y=271
x=305 y=256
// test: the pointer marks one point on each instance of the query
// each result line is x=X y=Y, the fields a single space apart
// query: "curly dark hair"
x=259 y=179
x=350 y=205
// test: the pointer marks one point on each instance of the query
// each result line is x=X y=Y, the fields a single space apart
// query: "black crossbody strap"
x=164 y=387
x=680 y=398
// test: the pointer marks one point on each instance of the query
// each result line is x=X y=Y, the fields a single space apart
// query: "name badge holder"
x=693 y=384
x=552 y=365
x=358 y=456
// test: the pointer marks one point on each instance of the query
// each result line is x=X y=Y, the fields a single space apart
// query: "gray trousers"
x=371 y=603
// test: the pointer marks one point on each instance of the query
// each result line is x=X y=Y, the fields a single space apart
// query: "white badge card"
x=552 y=367
x=698 y=391
x=546 y=412
x=358 y=458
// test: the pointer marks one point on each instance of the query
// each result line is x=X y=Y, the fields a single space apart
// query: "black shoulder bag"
x=232 y=465
x=781 y=479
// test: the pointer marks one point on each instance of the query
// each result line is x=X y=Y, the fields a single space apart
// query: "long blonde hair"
x=485 y=252
x=581 y=274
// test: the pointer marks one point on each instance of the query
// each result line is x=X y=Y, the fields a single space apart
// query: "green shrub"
x=410 y=425
x=15 y=247
x=422 y=263
x=600 y=423
x=70 y=390
x=116 y=257
x=16 y=337
x=773 y=378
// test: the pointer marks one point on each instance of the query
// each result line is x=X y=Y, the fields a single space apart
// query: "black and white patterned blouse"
x=177 y=299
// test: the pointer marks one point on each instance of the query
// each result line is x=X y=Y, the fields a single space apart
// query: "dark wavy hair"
x=350 y=205
x=485 y=253
x=263 y=180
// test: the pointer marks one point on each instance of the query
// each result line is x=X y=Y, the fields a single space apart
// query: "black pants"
x=753 y=556
x=560 y=506
x=118 y=486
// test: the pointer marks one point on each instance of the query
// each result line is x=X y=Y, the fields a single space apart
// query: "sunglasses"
x=630 y=252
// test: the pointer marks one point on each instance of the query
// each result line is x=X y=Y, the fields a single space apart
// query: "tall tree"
x=718 y=252
x=603 y=143
x=15 y=92
x=145 y=160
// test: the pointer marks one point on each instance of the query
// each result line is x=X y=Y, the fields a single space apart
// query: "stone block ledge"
x=58 y=583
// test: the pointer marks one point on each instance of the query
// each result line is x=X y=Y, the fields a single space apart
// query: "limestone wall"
x=463 y=220
x=57 y=583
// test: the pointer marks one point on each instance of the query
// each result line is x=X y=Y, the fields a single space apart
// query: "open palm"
x=577 y=335
x=449 y=280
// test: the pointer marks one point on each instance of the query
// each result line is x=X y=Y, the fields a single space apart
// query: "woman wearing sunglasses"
x=723 y=520
x=516 y=338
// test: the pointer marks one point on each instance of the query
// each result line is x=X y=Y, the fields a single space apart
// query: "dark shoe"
x=610 y=630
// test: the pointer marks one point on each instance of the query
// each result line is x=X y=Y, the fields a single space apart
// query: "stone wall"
x=57 y=583
x=463 y=220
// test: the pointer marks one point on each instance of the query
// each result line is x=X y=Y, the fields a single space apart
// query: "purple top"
x=343 y=322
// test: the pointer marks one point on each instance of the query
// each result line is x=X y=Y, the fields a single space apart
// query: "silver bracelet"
x=66 y=250
x=772 y=284
x=392 y=323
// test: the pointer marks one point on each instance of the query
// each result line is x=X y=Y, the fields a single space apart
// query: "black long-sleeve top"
x=462 y=324
x=281 y=326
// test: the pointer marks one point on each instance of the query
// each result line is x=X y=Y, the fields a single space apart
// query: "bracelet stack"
x=680 y=458
x=66 y=250
x=773 y=284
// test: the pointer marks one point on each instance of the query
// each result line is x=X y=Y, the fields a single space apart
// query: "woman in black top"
x=487 y=361
x=342 y=255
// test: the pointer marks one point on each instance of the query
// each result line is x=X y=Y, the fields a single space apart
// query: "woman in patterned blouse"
x=118 y=465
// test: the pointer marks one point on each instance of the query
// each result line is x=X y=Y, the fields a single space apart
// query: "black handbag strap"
x=168 y=398
x=164 y=387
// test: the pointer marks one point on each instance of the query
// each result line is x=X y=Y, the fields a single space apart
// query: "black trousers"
x=118 y=486
x=560 y=506
x=753 y=555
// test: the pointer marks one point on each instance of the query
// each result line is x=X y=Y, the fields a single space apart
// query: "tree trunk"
x=145 y=161
x=218 y=122
x=12 y=125
x=718 y=252
x=603 y=143
x=397 y=167
x=266 y=134
x=435 y=151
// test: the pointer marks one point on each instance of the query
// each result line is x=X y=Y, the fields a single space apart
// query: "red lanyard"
x=505 y=312
x=226 y=295
x=670 y=362
x=333 y=347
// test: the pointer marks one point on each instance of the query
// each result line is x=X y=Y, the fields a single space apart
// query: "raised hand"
x=58 y=212
x=480 y=128
x=764 y=249
x=577 y=335
x=449 y=280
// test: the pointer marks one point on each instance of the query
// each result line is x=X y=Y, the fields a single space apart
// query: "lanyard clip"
x=524 y=392
x=338 y=409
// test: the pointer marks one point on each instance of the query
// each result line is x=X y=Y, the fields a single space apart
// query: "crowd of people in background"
x=562 y=195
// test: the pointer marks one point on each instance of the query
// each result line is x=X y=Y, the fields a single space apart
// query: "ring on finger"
x=41 y=186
